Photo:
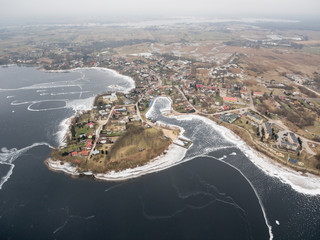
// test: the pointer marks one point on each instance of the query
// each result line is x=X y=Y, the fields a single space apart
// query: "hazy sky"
x=59 y=8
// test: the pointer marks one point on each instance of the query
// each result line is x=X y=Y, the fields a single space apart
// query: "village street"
x=101 y=123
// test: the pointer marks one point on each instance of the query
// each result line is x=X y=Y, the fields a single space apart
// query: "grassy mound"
x=136 y=147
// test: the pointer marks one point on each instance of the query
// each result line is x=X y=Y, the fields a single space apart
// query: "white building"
x=110 y=98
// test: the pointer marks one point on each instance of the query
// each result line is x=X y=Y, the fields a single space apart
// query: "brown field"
x=283 y=60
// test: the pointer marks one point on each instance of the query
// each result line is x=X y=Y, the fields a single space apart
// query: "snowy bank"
x=303 y=183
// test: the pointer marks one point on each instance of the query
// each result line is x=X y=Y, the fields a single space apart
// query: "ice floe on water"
x=223 y=157
x=80 y=104
x=8 y=156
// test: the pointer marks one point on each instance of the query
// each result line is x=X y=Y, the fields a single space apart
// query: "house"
x=90 y=124
x=103 y=113
x=84 y=153
x=293 y=139
x=89 y=146
x=95 y=152
x=293 y=160
x=253 y=117
x=258 y=94
x=123 y=109
x=230 y=118
x=110 y=98
x=230 y=99
x=288 y=146
x=267 y=130
x=243 y=93
x=75 y=153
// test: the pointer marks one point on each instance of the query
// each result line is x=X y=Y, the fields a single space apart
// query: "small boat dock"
x=182 y=142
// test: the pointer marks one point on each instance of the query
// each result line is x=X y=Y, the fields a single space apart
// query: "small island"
x=113 y=136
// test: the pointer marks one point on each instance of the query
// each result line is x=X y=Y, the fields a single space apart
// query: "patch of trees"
x=65 y=154
x=254 y=69
x=316 y=77
x=299 y=119
x=73 y=132
x=307 y=92
x=298 y=116
x=296 y=45
x=316 y=138
x=318 y=161
x=4 y=61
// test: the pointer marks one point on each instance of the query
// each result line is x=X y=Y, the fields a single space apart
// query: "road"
x=137 y=109
x=177 y=87
x=101 y=123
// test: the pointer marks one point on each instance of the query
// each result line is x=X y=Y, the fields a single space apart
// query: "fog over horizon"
x=93 y=10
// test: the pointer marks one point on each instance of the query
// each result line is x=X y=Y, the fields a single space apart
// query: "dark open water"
x=203 y=198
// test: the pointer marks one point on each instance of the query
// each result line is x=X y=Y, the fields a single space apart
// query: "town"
x=274 y=108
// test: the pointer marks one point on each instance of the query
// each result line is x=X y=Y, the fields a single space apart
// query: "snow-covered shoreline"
x=302 y=183
x=171 y=157
x=305 y=183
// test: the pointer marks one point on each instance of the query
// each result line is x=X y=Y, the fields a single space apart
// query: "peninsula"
x=114 y=136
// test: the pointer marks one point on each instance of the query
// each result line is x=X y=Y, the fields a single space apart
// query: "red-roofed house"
x=230 y=99
x=258 y=94
x=75 y=153
x=89 y=146
x=84 y=153
x=90 y=124
x=213 y=88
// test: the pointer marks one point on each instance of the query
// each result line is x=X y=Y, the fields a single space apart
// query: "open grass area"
x=312 y=49
x=138 y=140
x=249 y=127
